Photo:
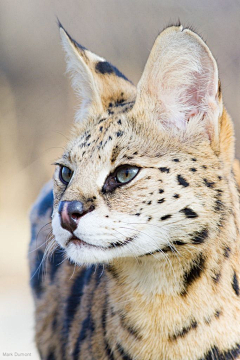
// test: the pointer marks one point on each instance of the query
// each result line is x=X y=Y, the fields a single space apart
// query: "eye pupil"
x=65 y=175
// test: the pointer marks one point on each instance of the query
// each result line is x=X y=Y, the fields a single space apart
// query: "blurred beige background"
x=37 y=105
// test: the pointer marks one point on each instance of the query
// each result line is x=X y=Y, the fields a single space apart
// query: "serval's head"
x=147 y=169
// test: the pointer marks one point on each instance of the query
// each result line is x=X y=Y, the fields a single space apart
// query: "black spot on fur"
x=128 y=327
x=119 y=122
x=121 y=243
x=112 y=270
x=200 y=237
x=161 y=191
x=101 y=128
x=217 y=314
x=215 y=354
x=105 y=67
x=123 y=353
x=219 y=206
x=137 y=214
x=160 y=201
x=193 y=169
x=194 y=159
x=227 y=252
x=149 y=203
x=182 y=181
x=176 y=160
x=149 y=218
x=216 y=277
x=119 y=133
x=176 y=196
x=194 y=273
x=164 y=169
x=184 y=331
x=165 y=217
x=209 y=183
x=135 y=153
x=180 y=243
x=189 y=213
x=235 y=284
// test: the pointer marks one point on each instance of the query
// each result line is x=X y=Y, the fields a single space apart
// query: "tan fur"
x=169 y=286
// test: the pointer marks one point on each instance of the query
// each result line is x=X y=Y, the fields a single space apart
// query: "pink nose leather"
x=70 y=213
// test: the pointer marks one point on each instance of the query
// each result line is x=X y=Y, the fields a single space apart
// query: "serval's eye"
x=121 y=176
x=126 y=173
x=65 y=174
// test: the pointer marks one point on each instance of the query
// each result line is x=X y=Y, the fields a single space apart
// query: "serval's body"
x=144 y=262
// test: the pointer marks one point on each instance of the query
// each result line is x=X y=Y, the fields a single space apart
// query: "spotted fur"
x=156 y=273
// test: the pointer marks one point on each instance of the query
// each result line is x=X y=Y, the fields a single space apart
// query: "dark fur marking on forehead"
x=209 y=183
x=101 y=120
x=104 y=67
x=200 y=236
x=182 y=181
x=165 y=217
x=227 y=252
x=235 y=284
x=164 y=169
x=194 y=273
x=216 y=277
x=115 y=153
x=219 y=206
x=119 y=133
x=189 y=213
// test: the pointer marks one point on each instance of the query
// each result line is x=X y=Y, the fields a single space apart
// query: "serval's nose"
x=71 y=212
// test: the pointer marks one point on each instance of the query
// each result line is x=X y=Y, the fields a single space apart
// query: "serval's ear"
x=179 y=85
x=96 y=81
